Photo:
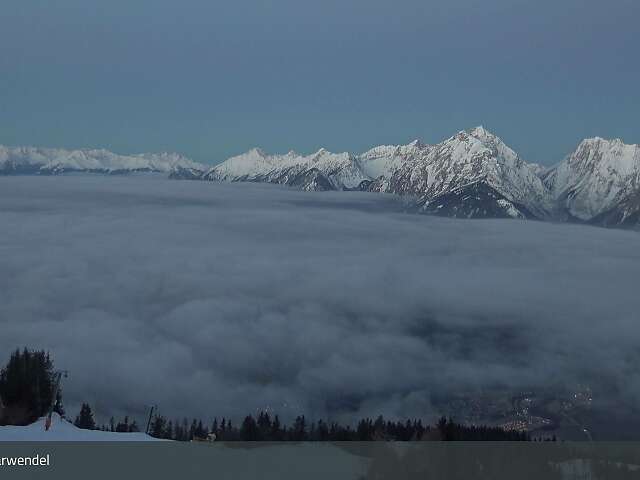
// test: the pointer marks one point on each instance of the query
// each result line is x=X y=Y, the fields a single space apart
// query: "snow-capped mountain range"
x=53 y=161
x=472 y=174
x=451 y=171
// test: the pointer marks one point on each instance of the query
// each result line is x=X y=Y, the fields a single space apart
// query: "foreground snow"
x=63 y=431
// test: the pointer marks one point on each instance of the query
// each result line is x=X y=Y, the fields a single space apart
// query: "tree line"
x=268 y=428
x=86 y=420
x=27 y=389
x=265 y=427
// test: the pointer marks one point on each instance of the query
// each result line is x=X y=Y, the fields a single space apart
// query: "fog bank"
x=216 y=299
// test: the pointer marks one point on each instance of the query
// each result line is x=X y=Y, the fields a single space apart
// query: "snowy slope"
x=336 y=171
x=64 y=431
x=51 y=161
x=626 y=213
x=384 y=160
x=597 y=177
x=469 y=157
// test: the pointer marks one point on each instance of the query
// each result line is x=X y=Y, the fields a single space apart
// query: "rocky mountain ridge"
x=472 y=174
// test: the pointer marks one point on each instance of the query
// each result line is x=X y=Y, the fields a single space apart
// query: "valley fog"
x=221 y=299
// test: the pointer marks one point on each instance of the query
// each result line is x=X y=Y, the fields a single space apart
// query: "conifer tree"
x=26 y=385
x=85 y=419
x=276 y=435
x=249 y=429
x=158 y=426
x=299 y=429
x=168 y=431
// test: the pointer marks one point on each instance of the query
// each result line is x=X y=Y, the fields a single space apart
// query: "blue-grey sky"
x=213 y=78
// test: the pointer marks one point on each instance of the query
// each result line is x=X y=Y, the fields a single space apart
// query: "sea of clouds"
x=220 y=299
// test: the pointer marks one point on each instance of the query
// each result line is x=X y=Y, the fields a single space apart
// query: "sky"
x=221 y=299
x=213 y=79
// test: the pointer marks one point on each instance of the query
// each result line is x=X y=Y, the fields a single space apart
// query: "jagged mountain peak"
x=478 y=145
x=480 y=134
x=417 y=143
x=601 y=140
x=479 y=130
x=614 y=152
x=322 y=154
x=478 y=138
x=321 y=151
x=257 y=151
x=483 y=134
x=599 y=176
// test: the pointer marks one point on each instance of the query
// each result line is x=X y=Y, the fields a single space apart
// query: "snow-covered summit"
x=466 y=158
x=597 y=176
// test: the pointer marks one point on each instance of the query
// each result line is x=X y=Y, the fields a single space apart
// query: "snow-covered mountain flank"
x=472 y=174
x=599 y=182
x=54 y=161
x=321 y=170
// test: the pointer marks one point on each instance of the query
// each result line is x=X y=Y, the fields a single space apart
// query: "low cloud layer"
x=215 y=299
